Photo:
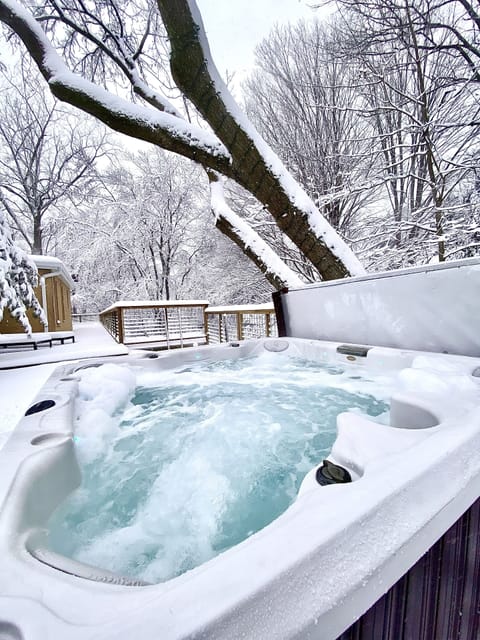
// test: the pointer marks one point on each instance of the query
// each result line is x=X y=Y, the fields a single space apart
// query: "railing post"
x=267 y=324
x=179 y=317
x=167 y=331
x=205 y=325
x=239 y=325
x=120 y=330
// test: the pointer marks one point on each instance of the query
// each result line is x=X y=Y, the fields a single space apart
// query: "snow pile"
x=18 y=276
x=448 y=382
x=102 y=393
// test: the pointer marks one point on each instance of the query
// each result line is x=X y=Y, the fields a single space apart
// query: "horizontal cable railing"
x=157 y=323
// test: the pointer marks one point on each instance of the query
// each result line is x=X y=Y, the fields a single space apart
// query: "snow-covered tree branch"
x=245 y=237
x=158 y=127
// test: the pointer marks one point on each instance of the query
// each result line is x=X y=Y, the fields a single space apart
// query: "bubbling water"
x=203 y=457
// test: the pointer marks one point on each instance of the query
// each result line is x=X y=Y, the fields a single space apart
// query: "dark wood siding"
x=438 y=598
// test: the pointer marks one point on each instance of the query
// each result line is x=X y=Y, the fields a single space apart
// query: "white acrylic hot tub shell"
x=309 y=574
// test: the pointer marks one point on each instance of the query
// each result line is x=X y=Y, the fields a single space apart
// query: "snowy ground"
x=91 y=341
x=23 y=373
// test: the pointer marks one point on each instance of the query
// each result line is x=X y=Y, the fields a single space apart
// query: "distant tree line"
x=376 y=111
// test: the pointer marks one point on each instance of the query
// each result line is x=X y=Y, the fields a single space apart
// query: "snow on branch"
x=275 y=270
x=18 y=276
x=158 y=127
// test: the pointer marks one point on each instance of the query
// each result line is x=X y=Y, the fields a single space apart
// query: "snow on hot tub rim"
x=295 y=572
x=320 y=350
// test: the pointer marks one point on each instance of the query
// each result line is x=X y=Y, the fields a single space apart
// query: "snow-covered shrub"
x=18 y=276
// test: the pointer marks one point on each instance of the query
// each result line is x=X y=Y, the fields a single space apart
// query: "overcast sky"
x=235 y=27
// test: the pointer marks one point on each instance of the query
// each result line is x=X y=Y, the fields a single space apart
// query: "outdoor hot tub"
x=409 y=468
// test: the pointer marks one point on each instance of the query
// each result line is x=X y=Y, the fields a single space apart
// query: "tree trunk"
x=37 y=246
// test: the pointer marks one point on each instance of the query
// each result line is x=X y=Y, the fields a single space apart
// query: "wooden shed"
x=54 y=293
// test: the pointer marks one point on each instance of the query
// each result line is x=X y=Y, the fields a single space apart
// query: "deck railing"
x=240 y=322
x=180 y=323
x=85 y=317
x=160 y=323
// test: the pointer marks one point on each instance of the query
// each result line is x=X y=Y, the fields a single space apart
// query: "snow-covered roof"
x=155 y=303
x=54 y=264
x=242 y=308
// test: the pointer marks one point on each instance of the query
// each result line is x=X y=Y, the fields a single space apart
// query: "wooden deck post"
x=120 y=330
x=239 y=325
x=206 y=325
x=167 y=333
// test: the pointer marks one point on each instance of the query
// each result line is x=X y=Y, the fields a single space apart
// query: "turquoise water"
x=204 y=457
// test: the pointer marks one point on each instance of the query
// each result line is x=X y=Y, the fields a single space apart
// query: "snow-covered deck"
x=91 y=340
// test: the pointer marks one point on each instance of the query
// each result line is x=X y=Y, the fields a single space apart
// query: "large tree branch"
x=256 y=167
x=124 y=61
x=159 y=128
x=238 y=230
x=18 y=225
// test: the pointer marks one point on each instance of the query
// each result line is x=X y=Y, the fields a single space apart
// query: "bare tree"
x=423 y=108
x=116 y=38
x=449 y=27
x=148 y=235
x=302 y=97
x=155 y=217
x=45 y=157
